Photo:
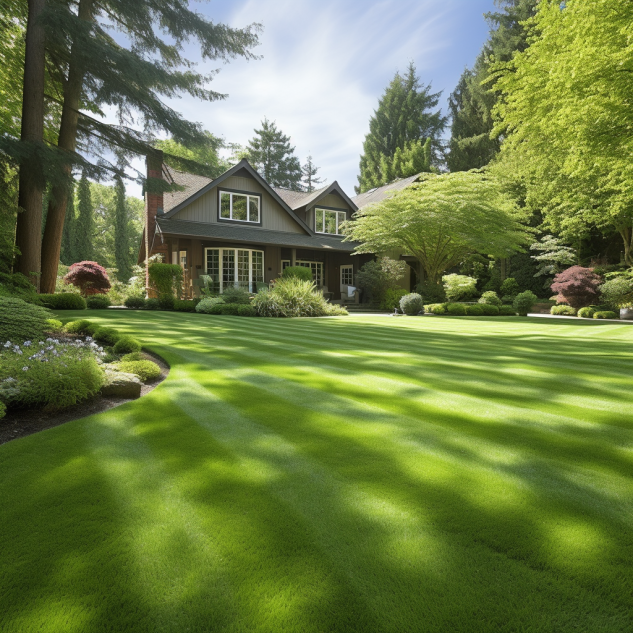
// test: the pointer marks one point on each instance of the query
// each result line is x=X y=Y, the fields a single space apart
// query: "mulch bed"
x=19 y=423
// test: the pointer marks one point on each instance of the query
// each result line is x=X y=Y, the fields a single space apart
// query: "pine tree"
x=471 y=145
x=121 y=251
x=310 y=180
x=67 y=256
x=85 y=222
x=272 y=155
x=404 y=116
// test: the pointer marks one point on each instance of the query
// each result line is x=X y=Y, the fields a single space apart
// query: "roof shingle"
x=380 y=193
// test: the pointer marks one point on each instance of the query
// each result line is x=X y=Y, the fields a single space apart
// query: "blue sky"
x=325 y=64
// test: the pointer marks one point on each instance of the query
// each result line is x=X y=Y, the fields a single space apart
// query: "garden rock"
x=121 y=385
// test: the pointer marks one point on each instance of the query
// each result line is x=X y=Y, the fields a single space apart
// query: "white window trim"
x=251 y=283
x=338 y=212
x=248 y=207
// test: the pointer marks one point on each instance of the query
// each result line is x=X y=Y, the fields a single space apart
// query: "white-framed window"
x=241 y=268
x=347 y=275
x=315 y=267
x=329 y=221
x=239 y=207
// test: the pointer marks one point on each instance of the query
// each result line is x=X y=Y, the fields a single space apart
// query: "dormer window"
x=240 y=207
x=329 y=221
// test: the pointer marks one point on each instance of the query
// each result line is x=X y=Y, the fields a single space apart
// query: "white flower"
x=27 y=343
x=8 y=344
x=25 y=368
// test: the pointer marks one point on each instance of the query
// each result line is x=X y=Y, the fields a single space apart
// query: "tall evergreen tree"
x=310 y=180
x=202 y=158
x=471 y=144
x=67 y=256
x=121 y=251
x=85 y=222
x=404 y=115
x=272 y=155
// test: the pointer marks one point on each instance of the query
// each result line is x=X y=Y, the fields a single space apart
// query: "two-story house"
x=240 y=231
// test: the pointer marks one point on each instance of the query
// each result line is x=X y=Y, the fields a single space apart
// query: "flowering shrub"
x=52 y=373
x=577 y=286
x=89 y=277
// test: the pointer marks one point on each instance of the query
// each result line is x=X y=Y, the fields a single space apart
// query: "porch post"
x=293 y=257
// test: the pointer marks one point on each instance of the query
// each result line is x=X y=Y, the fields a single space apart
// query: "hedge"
x=63 y=301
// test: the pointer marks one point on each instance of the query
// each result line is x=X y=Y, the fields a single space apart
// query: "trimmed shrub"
x=183 y=305
x=63 y=301
x=216 y=308
x=507 y=311
x=229 y=309
x=21 y=321
x=618 y=292
x=376 y=277
x=135 y=303
x=53 y=325
x=431 y=292
x=297 y=272
x=490 y=298
x=127 y=345
x=98 y=302
x=489 y=310
x=333 y=309
x=586 y=313
x=166 y=279
x=291 y=297
x=107 y=335
x=605 y=314
x=152 y=304
x=510 y=287
x=77 y=327
x=563 y=310
x=524 y=301
x=456 y=309
x=238 y=295
x=392 y=298
x=89 y=277
x=246 y=311
x=145 y=369
x=459 y=286
x=436 y=308
x=412 y=304
x=577 y=286
x=133 y=356
x=474 y=310
x=206 y=305
x=166 y=302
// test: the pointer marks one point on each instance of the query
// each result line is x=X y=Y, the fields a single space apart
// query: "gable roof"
x=196 y=191
x=298 y=199
x=191 y=183
x=380 y=193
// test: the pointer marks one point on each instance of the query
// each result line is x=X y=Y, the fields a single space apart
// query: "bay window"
x=234 y=267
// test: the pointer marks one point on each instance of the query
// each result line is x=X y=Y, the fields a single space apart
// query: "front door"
x=347 y=277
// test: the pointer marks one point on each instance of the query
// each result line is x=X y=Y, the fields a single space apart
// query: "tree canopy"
x=200 y=158
x=441 y=220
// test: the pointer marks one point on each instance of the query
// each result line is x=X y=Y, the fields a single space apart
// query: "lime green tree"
x=566 y=118
x=442 y=220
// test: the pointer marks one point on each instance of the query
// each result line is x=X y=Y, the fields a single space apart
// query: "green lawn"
x=351 y=474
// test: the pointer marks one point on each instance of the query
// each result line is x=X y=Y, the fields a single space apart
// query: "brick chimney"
x=153 y=205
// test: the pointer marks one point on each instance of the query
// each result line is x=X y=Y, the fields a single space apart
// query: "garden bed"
x=22 y=422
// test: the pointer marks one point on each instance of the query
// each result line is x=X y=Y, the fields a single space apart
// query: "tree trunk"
x=67 y=141
x=28 y=234
x=627 y=238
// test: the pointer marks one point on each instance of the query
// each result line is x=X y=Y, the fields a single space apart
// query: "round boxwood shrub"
x=436 y=308
x=206 y=306
x=562 y=310
x=144 y=369
x=21 y=321
x=106 y=335
x=53 y=325
x=586 y=313
x=77 y=327
x=135 y=303
x=524 y=301
x=298 y=272
x=98 y=302
x=474 y=310
x=605 y=314
x=456 y=309
x=63 y=301
x=239 y=295
x=412 y=304
x=133 y=356
x=127 y=345
x=152 y=304
x=183 y=305
x=489 y=309
x=507 y=311
x=490 y=298
x=246 y=311
x=229 y=309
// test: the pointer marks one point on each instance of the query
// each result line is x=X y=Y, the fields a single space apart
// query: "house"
x=240 y=231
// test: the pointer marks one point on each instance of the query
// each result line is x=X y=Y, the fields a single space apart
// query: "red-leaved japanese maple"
x=577 y=286
x=89 y=277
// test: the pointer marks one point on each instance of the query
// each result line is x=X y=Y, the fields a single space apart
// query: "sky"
x=324 y=65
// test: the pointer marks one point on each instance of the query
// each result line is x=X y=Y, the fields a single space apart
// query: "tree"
x=377 y=277
x=442 y=220
x=554 y=257
x=69 y=235
x=89 y=277
x=121 y=250
x=577 y=286
x=471 y=145
x=566 y=117
x=310 y=180
x=201 y=158
x=85 y=221
x=404 y=116
x=270 y=153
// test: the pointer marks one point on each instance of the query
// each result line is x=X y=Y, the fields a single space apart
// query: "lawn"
x=349 y=474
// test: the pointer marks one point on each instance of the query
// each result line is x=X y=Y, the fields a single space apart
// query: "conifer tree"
x=310 y=180
x=271 y=154
x=404 y=115
x=121 y=251
x=85 y=222
x=67 y=256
